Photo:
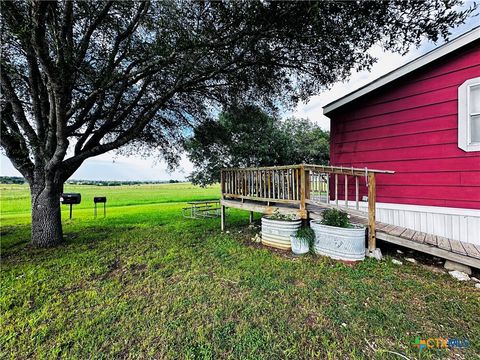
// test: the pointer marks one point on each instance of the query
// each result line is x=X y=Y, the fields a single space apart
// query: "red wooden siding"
x=410 y=126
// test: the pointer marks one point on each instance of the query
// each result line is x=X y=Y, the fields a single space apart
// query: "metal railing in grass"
x=304 y=184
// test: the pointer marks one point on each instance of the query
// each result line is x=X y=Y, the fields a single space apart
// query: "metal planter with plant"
x=277 y=229
x=337 y=238
x=303 y=241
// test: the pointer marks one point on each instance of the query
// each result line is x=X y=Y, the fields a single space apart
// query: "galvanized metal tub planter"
x=299 y=246
x=339 y=243
x=276 y=233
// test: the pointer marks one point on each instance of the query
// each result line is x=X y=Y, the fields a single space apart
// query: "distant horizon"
x=118 y=168
x=19 y=176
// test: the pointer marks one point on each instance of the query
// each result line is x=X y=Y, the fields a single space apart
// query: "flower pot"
x=276 y=233
x=339 y=243
x=299 y=246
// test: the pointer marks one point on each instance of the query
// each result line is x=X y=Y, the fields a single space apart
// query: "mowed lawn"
x=146 y=283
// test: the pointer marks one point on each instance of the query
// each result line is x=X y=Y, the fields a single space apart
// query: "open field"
x=145 y=283
x=15 y=199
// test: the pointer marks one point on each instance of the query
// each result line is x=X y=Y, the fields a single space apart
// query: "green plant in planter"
x=306 y=236
x=283 y=217
x=335 y=217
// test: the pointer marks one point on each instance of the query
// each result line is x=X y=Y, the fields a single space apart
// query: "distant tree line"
x=21 y=180
x=249 y=136
x=12 y=180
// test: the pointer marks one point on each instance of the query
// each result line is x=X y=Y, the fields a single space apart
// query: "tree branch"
x=85 y=41
x=13 y=143
x=17 y=109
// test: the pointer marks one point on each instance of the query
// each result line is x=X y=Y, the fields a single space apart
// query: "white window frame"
x=464 y=114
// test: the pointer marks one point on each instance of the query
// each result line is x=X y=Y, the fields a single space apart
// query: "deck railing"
x=305 y=184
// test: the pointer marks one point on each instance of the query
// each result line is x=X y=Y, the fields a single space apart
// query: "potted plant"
x=303 y=241
x=337 y=238
x=277 y=228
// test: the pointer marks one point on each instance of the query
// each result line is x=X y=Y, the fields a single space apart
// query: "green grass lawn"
x=145 y=283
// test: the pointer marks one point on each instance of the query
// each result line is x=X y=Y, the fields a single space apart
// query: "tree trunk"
x=46 y=216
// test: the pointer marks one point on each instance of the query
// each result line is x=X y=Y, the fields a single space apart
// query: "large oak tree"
x=82 y=78
x=245 y=136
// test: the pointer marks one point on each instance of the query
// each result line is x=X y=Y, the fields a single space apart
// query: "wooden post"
x=303 y=191
x=250 y=218
x=328 y=188
x=269 y=187
x=288 y=183
x=336 y=189
x=222 y=184
x=346 y=191
x=307 y=184
x=356 y=193
x=273 y=184
x=371 y=212
x=222 y=217
x=296 y=188
x=294 y=184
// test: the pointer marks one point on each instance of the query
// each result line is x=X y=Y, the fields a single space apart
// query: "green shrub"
x=335 y=217
x=283 y=217
x=307 y=236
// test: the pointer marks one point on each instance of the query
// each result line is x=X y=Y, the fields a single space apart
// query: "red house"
x=421 y=120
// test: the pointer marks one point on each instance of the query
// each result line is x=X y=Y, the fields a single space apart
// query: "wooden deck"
x=461 y=252
x=306 y=190
x=298 y=185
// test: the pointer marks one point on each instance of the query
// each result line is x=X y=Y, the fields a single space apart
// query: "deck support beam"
x=222 y=217
x=250 y=217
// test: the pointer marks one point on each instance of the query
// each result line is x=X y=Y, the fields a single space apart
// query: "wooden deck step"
x=431 y=239
x=419 y=237
x=443 y=243
x=471 y=250
x=408 y=234
x=380 y=225
x=457 y=247
x=387 y=229
x=397 y=231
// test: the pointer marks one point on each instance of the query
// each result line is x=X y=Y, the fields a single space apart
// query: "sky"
x=110 y=166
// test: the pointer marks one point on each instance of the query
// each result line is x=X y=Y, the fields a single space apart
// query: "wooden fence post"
x=371 y=212
x=222 y=183
x=308 y=185
x=222 y=196
x=304 y=190
x=222 y=217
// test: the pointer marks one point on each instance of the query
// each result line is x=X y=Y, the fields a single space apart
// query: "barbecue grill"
x=100 y=199
x=71 y=199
